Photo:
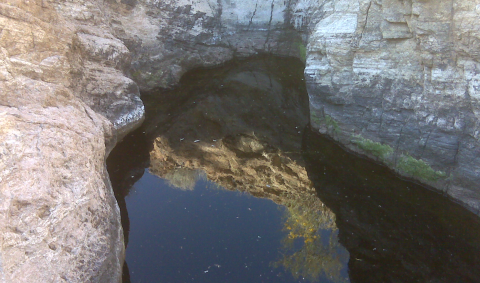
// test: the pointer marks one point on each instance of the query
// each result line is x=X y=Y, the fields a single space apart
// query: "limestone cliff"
x=398 y=81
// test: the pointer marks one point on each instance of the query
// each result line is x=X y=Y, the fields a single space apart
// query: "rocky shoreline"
x=394 y=80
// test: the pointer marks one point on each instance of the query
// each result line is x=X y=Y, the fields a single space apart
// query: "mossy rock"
x=419 y=168
x=377 y=149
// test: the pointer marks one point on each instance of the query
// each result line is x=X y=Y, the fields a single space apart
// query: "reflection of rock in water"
x=220 y=122
x=243 y=127
x=183 y=178
x=308 y=220
x=231 y=164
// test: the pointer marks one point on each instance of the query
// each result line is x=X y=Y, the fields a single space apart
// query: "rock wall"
x=168 y=38
x=399 y=82
x=59 y=221
x=69 y=77
x=395 y=80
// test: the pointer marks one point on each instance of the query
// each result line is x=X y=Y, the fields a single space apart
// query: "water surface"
x=206 y=234
x=225 y=182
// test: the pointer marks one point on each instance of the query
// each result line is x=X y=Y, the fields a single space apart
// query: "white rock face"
x=167 y=38
x=404 y=74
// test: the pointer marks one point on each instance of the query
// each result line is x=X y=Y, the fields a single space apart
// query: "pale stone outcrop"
x=403 y=74
x=59 y=221
x=167 y=38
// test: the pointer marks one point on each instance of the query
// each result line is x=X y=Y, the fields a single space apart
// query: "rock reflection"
x=267 y=173
x=320 y=255
x=394 y=230
x=243 y=126
x=246 y=136
x=183 y=178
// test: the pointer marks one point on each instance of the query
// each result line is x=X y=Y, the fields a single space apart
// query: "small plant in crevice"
x=302 y=51
x=314 y=118
x=326 y=121
x=381 y=151
x=419 y=168
x=332 y=124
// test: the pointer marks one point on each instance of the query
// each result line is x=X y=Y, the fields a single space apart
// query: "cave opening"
x=226 y=182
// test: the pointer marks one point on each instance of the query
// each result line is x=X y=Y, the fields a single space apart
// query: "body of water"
x=225 y=182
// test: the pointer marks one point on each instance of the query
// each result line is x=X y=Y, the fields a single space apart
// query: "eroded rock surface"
x=403 y=74
x=59 y=221
x=169 y=38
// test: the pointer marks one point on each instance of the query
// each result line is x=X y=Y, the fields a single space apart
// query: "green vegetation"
x=315 y=119
x=302 y=50
x=419 y=168
x=407 y=164
x=328 y=121
x=137 y=75
x=331 y=123
x=381 y=151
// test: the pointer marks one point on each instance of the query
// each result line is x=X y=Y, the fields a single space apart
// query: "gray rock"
x=400 y=74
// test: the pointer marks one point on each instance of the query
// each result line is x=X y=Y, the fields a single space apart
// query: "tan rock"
x=59 y=221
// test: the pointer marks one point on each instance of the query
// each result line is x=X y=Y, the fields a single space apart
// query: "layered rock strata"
x=168 y=38
x=398 y=81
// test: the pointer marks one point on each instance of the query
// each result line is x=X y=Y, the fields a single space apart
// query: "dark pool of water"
x=206 y=234
x=322 y=214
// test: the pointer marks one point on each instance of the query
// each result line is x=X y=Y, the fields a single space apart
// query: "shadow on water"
x=394 y=230
x=243 y=126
